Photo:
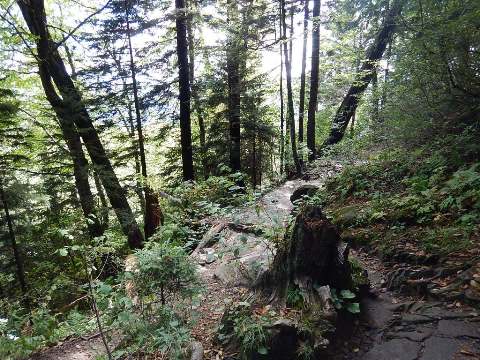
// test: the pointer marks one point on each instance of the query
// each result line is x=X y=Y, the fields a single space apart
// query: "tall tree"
x=192 y=8
x=365 y=75
x=233 y=79
x=152 y=207
x=282 y=105
x=184 y=86
x=290 y=110
x=312 y=103
x=11 y=136
x=301 y=109
x=80 y=165
x=15 y=248
x=69 y=106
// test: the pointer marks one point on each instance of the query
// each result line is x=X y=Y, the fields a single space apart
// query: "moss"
x=348 y=216
x=359 y=275
x=360 y=237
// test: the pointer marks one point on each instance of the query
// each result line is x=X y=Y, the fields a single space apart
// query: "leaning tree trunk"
x=80 y=163
x=290 y=111
x=72 y=109
x=374 y=53
x=184 y=86
x=75 y=149
x=301 y=109
x=312 y=255
x=312 y=103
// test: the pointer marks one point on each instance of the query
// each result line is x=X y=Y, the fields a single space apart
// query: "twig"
x=83 y=22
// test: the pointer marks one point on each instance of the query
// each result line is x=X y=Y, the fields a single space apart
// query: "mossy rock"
x=359 y=237
x=348 y=216
x=402 y=215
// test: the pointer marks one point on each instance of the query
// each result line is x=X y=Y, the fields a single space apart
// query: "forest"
x=240 y=179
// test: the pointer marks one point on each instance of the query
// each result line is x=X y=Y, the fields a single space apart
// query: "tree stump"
x=312 y=255
x=302 y=191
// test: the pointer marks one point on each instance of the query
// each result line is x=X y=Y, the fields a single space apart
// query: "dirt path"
x=77 y=349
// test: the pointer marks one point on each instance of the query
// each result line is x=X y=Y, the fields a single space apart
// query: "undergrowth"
x=430 y=192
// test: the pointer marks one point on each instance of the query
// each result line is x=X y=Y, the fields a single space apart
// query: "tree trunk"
x=103 y=200
x=385 y=79
x=312 y=255
x=301 y=110
x=312 y=103
x=374 y=53
x=152 y=206
x=138 y=166
x=282 y=115
x=352 y=127
x=290 y=41
x=233 y=79
x=72 y=109
x=80 y=162
x=254 y=160
x=16 y=252
x=184 y=85
x=375 y=99
x=290 y=111
x=130 y=127
x=192 y=6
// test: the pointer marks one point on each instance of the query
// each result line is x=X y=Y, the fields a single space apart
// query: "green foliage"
x=151 y=308
x=164 y=270
x=295 y=298
x=344 y=299
x=359 y=275
x=22 y=333
x=248 y=330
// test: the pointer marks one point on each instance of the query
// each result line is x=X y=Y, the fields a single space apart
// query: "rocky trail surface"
x=396 y=327
x=238 y=248
x=391 y=326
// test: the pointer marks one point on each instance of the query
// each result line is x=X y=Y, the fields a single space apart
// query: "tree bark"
x=375 y=99
x=184 y=85
x=374 y=53
x=301 y=110
x=282 y=115
x=70 y=107
x=136 y=155
x=80 y=163
x=151 y=201
x=16 y=252
x=312 y=103
x=75 y=149
x=290 y=111
x=103 y=200
x=233 y=79
x=192 y=6
x=312 y=254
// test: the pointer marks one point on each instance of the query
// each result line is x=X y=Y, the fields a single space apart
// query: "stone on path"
x=396 y=349
x=455 y=328
x=439 y=348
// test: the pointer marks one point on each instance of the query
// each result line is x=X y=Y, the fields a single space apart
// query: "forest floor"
x=391 y=326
